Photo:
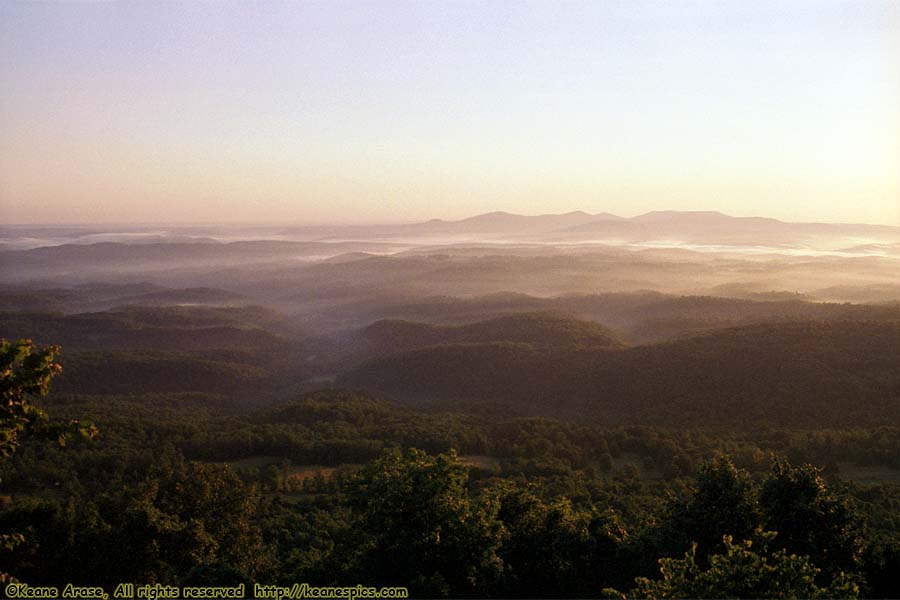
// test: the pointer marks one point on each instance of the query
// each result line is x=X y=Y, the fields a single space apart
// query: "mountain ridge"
x=786 y=374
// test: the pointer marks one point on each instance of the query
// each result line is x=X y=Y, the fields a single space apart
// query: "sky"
x=383 y=111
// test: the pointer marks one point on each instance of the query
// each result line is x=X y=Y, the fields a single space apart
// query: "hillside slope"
x=537 y=329
x=801 y=374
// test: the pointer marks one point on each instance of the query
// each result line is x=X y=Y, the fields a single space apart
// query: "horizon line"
x=313 y=224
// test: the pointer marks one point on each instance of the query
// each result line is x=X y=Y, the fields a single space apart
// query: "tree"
x=724 y=503
x=25 y=374
x=742 y=571
x=810 y=519
x=190 y=522
x=420 y=529
x=192 y=516
x=554 y=550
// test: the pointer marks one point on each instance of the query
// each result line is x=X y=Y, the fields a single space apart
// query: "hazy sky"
x=394 y=111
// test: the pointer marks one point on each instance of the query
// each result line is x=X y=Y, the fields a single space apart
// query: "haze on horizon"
x=341 y=112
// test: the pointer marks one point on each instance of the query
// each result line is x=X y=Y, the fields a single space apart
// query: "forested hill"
x=640 y=318
x=177 y=328
x=342 y=351
x=545 y=329
x=223 y=350
x=800 y=374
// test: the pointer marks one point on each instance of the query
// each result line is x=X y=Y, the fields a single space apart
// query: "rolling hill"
x=639 y=318
x=791 y=374
x=146 y=328
x=536 y=329
x=138 y=373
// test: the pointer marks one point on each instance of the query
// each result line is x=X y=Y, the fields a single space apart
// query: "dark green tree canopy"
x=810 y=518
x=724 y=503
x=744 y=570
x=422 y=529
x=25 y=374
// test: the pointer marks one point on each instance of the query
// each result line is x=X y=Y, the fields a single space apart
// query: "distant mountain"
x=708 y=227
x=84 y=261
x=700 y=218
x=715 y=228
x=623 y=229
x=511 y=224
x=889 y=293
x=697 y=227
x=874 y=249
x=807 y=374
x=689 y=227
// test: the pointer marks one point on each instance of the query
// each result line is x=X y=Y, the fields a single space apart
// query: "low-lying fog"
x=292 y=268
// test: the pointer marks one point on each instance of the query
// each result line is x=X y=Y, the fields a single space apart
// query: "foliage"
x=181 y=521
x=810 y=519
x=785 y=374
x=326 y=488
x=419 y=527
x=25 y=374
x=724 y=502
x=554 y=549
x=742 y=571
